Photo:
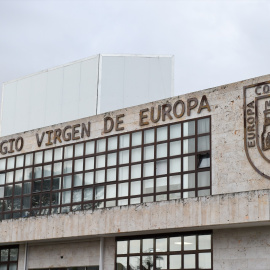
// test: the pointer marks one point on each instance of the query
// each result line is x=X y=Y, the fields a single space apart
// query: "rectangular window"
x=9 y=257
x=167 y=162
x=169 y=251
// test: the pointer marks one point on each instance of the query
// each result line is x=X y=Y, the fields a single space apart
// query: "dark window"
x=166 y=162
x=9 y=257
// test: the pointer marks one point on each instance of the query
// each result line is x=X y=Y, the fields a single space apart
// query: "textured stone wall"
x=242 y=249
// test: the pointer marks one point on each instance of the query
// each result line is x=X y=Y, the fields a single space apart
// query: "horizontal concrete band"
x=217 y=211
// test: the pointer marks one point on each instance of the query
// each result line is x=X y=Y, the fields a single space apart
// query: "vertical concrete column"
x=25 y=256
x=101 y=256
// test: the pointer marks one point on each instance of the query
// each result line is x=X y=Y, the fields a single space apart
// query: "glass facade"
x=160 y=163
x=169 y=251
x=9 y=257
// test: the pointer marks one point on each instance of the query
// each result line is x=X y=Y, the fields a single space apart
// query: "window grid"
x=38 y=186
x=174 y=258
x=9 y=257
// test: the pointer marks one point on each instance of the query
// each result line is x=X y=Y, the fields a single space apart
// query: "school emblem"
x=257 y=126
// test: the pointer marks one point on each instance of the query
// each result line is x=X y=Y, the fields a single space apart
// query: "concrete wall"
x=239 y=249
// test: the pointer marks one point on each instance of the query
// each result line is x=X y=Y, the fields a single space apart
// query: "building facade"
x=179 y=183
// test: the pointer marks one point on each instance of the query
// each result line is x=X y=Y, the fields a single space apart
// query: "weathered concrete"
x=238 y=209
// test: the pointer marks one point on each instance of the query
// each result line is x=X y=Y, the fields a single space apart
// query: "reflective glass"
x=78 y=165
x=190 y=242
x=4 y=255
x=9 y=177
x=3 y=164
x=175 y=165
x=148 y=262
x=89 y=178
x=203 y=125
x=78 y=179
x=123 y=173
x=68 y=152
x=204 y=143
x=161 y=245
x=204 y=192
x=189 y=194
x=161 y=184
x=134 y=246
x=162 y=150
x=189 y=261
x=46 y=184
x=89 y=163
x=136 y=138
x=38 y=157
x=111 y=191
x=56 y=184
x=161 y=262
x=136 y=155
x=48 y=155
x=204 y=179
x=175 y=131
x=147 y=245
x=68 y=166
x=19 y=162
x=58 y=153
x=13 y=254
x=67 y=181
x=79 y=149
x=122 y=202
x=204 y=241
x=203 y=161
x=37 y=172
x=111 y=160
x=90 y=148
x=148 y=169
x=100 y=176
x=148 y=186
x=47 y=170
x=148 y=152
x=175 y=148
x=135 y=188
x=124 y=141
x=101 y=145
x=26 y=202
x=2 y=178
x=175 y=243
x=162 y=133
x=175 y=182
x=99 y=193
x=111 y=174
x=122 y=189
x=18 y=190
x=161 y=167
x=13 y=266
x=100 y=161
x=161 y=197
x=175 y=261
x=149 y=136
x=148 y=199
x=189 y=146
x=11 y=162
x=135 y=200
x=189 y=128
x=27 y=173
x=29 y=159
x=205 y=260
x=66 y=197
x=134 y=262
x=112 y=143
x=88 y=194
x=124 y=157
x=77 y=195
x=27 y=188
x=136 y=171
x=189 y=180
x=189 y=163
x=57 y=168
x=121 y=263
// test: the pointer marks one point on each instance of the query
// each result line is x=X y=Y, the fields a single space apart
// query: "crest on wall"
x=257 y=126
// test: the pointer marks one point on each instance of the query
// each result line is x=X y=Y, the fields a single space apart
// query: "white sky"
x=214 y=42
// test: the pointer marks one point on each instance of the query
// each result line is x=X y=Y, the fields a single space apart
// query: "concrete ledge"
x=217 y=211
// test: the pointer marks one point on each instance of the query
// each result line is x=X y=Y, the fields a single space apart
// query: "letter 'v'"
x=39 y=141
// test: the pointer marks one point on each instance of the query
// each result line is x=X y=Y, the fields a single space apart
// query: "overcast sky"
x=214 y=42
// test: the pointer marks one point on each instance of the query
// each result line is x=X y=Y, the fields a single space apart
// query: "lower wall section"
x=245 y=249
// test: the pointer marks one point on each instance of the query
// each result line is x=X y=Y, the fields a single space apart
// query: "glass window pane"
x=136 y=155
x=134 y=246
x=135 y=188
x=100 y=161
x=204 y=179
x=4 y=255
x=147 y=245
x=100 y=176
x=56 y=183
x=204 y=143
x=13 y=266
x=37 y=172
x=68 y=166
x=78 y=179
x=46 y=184
x=161 y=262
x=134 y=262
x=99 y=193
x=78 y=165
x=123 y=173
x=77 y=195
x=148 y=199
x=124 y=141
x=111 y=191
x=203 y=125
x=175 y=131
x=1 y=196
x=148 y=152
x=122 y=247
x=47 y=170
x=204 y=192
x=26 y=202
x=68 y=152
x=18 y=190
x=203 y=161
x=161 y=197
x=111 y=161
x=175 y=243
x=19 y=161
x=189 y=163
x=2 y=178
x=124 y=157
x=161 y=184
x=3 y=164
x=148 y=186
x=111 y=174
x=9 y=177
x=148 y=169
x=148 y=262
x=161 y=167
x=13 y=254
x=89 y=163
x=29 y=159
x=101 y=145
x=162 y=133
x=27 y=188
x=189 y=146
x=56 y=198
x=79 y=149
x=175 y=165
x=8 y=190
x=175 y=148
x=190 y=194
x=190 y=242
x=88 y=194
x=189 y=128
x=205 y=260
x=175 y=261
x=136 y=171
x=175 y=196
x=66 y=197
x=112 y=143
x=121 y=263
x=161 y=245
x=38 y=157
x=27 y=173
x=189 y=181
x=175 y=182
x=111 y=203
x=67 y=181
x=149 y=136
x=58 y=153
x=90 y=148
x=122 y=202
x=189 y=261
x=89 y=178
x=123 y=189
x=135 y=200
x=57 y=168
x=11 y=162
x=204 y=242
x=162 y=150
x=136 y=138
x=48 y=155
